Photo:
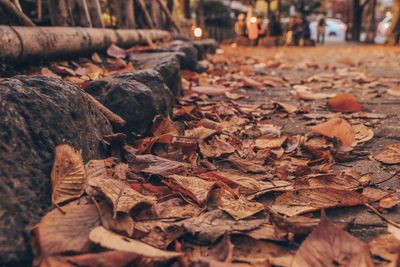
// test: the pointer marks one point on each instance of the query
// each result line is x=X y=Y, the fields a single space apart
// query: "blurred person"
x=321 y=29
x=275 y=29
x=289 y=38
x=253 y=30
x=240 y=26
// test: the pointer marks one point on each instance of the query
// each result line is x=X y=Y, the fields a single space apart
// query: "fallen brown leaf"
x=328 y=245
x=336 y=128
x=110 y=240
x=68 y=176
x=389 y=155
x=313 y=199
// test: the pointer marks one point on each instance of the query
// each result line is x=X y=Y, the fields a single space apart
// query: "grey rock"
x=36 y=114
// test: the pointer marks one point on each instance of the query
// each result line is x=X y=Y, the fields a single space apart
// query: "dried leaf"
x=389 y=202
x=200 y=132
x=108 y=258
x=394 y=91
x=313 y=199
x=213 y=224
x=336 y=128
x=214 y=90
x=328 y=245
x=289 y=108
x=269 y=142
x=116 y=52
x=389 y=155
x=151 y=164
x=66 y=231
x=68 y=176
x=239 y=208
x=385 y=246
x=215 y=148
x=176 y=208
x=344 y=103
x=305 y=93
x=120 y=194
x=110 y=240
x=246 y=165
x=362 y=133
x=193 y=187
x=49 y=73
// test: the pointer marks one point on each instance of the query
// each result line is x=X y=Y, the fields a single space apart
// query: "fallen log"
x=20 y=44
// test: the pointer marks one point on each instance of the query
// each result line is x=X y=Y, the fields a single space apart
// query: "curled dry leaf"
x=246 y=165
x=362 y=133
x=116 y=52
x=151 y=164
x=313 y=199
x=389 y=155
x=107 y=258
x=120 y=194
x=336 y=128
x=110 y=240
x=47 y=72
x=68 y=176
x=215 y=148
x=328 y=245
x=193 y=187
x=344 y=103
x=289 y=108
x=389 y=202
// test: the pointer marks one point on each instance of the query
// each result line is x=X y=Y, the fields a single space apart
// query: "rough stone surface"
x=166 y=63
x=163 y=98
x=204 y=47
x=130 y=99
x=190 y=54
x=36 y=114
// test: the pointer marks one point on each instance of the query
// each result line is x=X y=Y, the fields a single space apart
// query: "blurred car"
x=334 y=28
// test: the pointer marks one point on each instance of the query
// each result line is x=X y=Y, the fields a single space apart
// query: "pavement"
x=367 y=72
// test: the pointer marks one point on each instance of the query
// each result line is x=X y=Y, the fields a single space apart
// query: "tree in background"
x=394 y=33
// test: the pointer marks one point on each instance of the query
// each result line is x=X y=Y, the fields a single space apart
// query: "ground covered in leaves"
x=273 y=157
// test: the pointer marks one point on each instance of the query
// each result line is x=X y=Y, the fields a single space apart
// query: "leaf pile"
x=220 y=183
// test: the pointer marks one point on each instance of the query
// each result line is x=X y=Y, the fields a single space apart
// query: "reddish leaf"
x=344 y=103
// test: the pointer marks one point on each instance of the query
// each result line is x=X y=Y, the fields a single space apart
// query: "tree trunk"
x=125 y=14
x=357 y=20
x=95 y=13
x=79 y=13
x=186 y=8
x=168 y=15
x=371 y=24
x=58 y=12
x=20 y=44
x=146 y=16
x=12 y=15
x=394 y=32
x=201 y=20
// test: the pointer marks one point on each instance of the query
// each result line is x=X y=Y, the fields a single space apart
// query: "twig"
x=111 y=116
x=380 y=215
x=387 y=179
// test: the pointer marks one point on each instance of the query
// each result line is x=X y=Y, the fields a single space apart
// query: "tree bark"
x=371 y=24
x=79 y=13
x=186 y=9
x=95 y=13
x=125 y=14
x=20 y=44
x=14 y=15
x=168 y=15
x=146 y=15
x=59 y=13
x=394 y=32
x=358 y=9
x=201 y=20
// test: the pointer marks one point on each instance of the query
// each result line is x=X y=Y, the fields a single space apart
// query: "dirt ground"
x=364 y=71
